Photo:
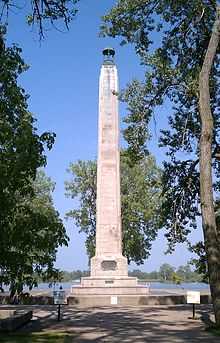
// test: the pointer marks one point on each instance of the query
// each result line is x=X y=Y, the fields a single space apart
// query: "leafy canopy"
x=178 y=43
x=171 y=39
x=42 y=13
x=30 y=228
x=140 y=201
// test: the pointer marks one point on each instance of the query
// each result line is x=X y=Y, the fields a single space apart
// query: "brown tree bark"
x=212 y=245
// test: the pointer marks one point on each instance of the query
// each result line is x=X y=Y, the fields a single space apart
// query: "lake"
x=197 y=286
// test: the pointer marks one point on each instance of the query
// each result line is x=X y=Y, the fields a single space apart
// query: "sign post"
x=193 y=298
x=59 y=299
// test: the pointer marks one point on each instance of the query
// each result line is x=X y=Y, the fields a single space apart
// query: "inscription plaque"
x=109 y=265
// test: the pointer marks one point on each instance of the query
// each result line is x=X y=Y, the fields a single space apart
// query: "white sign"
x=114 y=300
x=193 y=297
x=59 y=297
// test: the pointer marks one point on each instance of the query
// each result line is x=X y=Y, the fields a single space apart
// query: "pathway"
x=158 y=324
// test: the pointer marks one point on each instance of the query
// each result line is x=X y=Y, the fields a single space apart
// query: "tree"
x=140 y=199
x=176 y=279
x=30 y=228
x=186 y=274
x=166 y=272
x=41 y=12
x=32 y=252
x=182 y=68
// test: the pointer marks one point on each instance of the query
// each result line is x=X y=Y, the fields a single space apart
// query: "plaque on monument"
x=109 y=265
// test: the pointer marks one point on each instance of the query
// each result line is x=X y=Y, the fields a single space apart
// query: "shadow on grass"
x=213 y=331
x=37 y=338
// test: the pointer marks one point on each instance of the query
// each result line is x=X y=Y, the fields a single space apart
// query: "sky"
x=63 y=85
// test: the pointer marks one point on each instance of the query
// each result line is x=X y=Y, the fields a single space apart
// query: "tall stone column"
x=109 y=270
x=108 y=258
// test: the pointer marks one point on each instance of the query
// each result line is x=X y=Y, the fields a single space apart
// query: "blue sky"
x=63 y=84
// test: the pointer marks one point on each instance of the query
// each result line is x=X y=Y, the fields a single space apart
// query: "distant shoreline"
x=44 y=289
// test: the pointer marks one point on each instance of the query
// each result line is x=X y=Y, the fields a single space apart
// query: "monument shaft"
x=108 y=259
x=108 y=216
x=109 y=269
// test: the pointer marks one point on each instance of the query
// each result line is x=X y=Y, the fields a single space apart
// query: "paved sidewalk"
x=158 y=324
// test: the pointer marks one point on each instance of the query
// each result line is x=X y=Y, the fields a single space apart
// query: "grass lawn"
x=50 y=337
x=215 y=332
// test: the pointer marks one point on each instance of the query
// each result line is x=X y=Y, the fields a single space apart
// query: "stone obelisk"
x=109 y=270
x=108 y=259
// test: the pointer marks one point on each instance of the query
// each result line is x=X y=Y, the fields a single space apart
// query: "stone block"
x=15 y=321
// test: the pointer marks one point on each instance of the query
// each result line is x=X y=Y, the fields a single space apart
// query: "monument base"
x=107 y=300
x=109 y=278
x=151 y=299
x=106 y=291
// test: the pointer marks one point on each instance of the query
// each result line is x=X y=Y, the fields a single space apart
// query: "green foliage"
x=41 y=12
x=35 y=233
x=171 y=39
x=83 y=187
x=136 y=133
x=30 y=228
x=182 y=273
x=140 y=201
x=166 y=271
x=153 y=276
x=74 y=275
x=214 y=331
x=176 y=279
x=200 y=263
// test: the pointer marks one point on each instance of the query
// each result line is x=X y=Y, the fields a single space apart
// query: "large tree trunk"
x=212 y=245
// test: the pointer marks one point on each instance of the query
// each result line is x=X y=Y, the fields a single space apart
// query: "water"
x=194 y=286
x=191 y=286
